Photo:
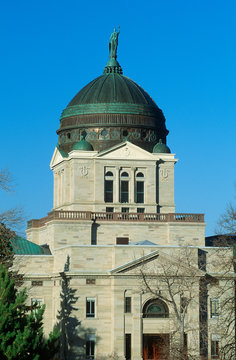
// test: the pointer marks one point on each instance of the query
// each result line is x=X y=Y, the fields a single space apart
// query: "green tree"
x=21 y=327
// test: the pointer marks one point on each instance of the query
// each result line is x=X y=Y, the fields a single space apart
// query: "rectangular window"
x=109 y=209
x=127 y=346
x=36 y=303
x=214 y=349
x=90 y=349
x=183 y=304
x=124 y=191
x=128 y=304
x=124 y=209
x=140 y=210
x=214 y=308
x=90 y=307
x=108 y=191
x=122 y=241
x=140 y=192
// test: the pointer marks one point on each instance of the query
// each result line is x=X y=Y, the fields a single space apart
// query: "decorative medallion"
x=84 y=171
x=164 y=174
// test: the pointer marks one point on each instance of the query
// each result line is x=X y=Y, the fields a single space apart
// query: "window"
x=90 y=346
x=140 y=210
x=90 y=307
x=128 y=304
x=214 y=308
x=127 y=346
x=108 y=187
x=125 y=209
x=36 y=304
x=39 y=302
x=139 y=187
x=155 y=308
x=122 y=241
x=183 y=304
x=214 y=349
x=124 y=187
x=109 y=209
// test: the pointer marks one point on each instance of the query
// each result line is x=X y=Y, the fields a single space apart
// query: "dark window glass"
x=122 y=241
x=109 y=209
x=125 y=174
x=108 y=190
x=90 y=347
x=124 y=191
x=140 y=192
x=109 y=173
x=140 y=210
x=127 y=346
x=155 y=309
x=140 y=174
x=90 y=308
x=124 y=209
x=128 y=304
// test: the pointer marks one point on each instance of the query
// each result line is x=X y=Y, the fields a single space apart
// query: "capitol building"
x=121 y=272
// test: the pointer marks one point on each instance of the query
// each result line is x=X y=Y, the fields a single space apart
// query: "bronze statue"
x=113 y=43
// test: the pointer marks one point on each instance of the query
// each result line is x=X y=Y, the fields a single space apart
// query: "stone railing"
x=114 y=216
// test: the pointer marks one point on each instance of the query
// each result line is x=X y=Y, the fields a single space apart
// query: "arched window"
x=124 y=187
x=108 y=187
x=139 y=188
x=155 y=308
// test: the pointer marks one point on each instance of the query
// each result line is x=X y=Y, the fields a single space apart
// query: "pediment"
x=159 y=263
x=132 y=266
x=57 y=157
x=126 y=150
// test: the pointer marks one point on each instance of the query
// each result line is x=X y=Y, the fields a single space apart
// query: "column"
x=137 y=328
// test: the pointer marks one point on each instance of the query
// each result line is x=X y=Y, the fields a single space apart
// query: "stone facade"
x=104 y=253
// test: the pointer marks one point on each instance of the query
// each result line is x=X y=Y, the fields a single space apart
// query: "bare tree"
x=226 y=292
x=176 y=282
x=11 y=217
x=227 y=221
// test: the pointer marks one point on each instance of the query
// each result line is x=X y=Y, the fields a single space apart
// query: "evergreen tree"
x=21 y=327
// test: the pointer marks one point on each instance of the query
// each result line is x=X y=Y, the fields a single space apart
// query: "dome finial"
x=113 y=66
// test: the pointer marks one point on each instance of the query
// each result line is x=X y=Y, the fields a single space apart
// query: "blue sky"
x=181 y=52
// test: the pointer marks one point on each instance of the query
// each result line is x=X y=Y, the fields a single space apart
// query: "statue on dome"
x=113 y=43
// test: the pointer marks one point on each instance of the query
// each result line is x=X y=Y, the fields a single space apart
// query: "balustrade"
x=114 y=216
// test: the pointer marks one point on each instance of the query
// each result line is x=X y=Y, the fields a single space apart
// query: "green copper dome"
x=161 y=148
x=111 y=89
x=110 y=109
x=22 y=246
x=82 y=145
